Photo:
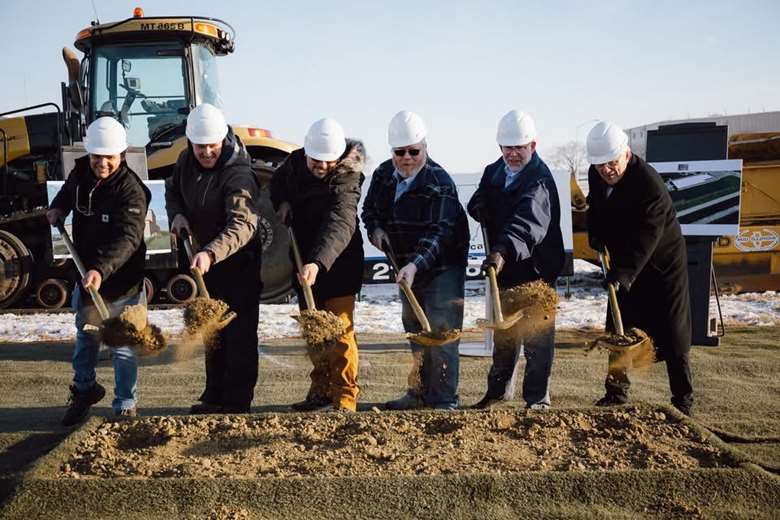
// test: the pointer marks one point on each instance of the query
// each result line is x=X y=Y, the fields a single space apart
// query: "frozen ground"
x=379 y=312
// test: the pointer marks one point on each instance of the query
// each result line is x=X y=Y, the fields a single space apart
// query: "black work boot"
x=79 y=403
x=312 y=404
x=486 y=403
x=612 y=400
x=205 y=408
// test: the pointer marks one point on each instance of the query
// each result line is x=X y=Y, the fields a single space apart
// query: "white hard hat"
x=406 y=128
x=105 y=136
x=606 y=141
x=325 y=140
x=516 y=129
x=206 y=125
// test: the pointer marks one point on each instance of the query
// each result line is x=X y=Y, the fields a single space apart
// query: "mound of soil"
x=409 y=443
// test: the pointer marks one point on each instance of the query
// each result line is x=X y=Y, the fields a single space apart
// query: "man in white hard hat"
x=316 y=192
x=630 y=214
x=109 y=204
x=412 y=207
x=517 y=203
x=212 y=194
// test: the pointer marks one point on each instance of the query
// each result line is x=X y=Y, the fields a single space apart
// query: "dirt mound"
x=320 y=327
x=410 y=443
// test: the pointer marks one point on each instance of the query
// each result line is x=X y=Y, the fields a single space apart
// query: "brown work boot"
x=79 y=403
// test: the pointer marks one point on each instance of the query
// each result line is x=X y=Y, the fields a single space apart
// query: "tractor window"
x=144 y=87
x=206 y=78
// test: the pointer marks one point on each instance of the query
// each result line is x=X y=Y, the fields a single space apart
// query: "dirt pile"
x=409 y=443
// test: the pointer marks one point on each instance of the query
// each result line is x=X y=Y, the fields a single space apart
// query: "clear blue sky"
x=460 y=65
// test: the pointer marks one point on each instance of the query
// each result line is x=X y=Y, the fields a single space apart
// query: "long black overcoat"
x=639 y=227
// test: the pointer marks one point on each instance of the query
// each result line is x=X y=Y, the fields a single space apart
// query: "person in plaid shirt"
x=412 y=204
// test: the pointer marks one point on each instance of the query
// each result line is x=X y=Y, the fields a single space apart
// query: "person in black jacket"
x=316 y=190
x=412 y=204
x=630 y=214
x=110 y=204
x=212 y=194
x=517 y=201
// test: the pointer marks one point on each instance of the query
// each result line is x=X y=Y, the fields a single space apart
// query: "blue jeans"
x=434 y=376
x=85 y=353
x=538 y=346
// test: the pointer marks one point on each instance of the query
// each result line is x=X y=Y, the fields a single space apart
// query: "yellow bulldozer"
x=147 y=72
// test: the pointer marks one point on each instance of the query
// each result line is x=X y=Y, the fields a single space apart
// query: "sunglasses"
x=413 y=152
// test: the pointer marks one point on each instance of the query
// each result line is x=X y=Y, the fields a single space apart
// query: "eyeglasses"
x=87 y=212
x=413 y=152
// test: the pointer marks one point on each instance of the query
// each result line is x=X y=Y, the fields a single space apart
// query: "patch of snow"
x=379 y=312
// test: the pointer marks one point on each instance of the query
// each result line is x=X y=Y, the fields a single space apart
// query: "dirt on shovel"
x=132 y=328
x=320 y=327
x=435 y=338
x=531 y=305
x=635 y=349
x=203 y=317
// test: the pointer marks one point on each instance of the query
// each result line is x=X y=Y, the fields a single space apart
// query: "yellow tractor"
x=148 y=73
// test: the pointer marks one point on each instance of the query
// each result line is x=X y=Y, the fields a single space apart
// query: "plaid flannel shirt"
x=426 y=225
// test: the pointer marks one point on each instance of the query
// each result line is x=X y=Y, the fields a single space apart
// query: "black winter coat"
x=639 y=228
x=523 y=221
x=108 y=225
x=324 y=218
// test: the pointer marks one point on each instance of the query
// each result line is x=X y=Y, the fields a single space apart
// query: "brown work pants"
x=336 y=368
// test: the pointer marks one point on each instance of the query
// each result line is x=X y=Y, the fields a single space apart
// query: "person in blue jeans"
x=517 y=202
x=109 y=204
x=412 y=205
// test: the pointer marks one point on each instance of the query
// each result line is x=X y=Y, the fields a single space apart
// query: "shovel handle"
x=307 y=294
x=498 y=315
x=418 y=310
x=410 y=297
x=100 y=305
x=202 y=290
x=617 y=319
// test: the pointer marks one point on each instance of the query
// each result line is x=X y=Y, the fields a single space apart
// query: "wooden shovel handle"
x=307 y=294
x=100 y=305
x=202 y=290
x=418 y=311
x=617 y=319
x=498 y=315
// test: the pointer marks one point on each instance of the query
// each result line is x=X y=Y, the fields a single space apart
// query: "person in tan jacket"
x=211 y=194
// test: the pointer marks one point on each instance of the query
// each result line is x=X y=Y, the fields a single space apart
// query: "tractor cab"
x=148 y=73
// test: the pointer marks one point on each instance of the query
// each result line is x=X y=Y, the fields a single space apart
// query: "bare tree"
x=571 y=157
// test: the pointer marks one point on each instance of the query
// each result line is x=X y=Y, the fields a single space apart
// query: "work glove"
x=495 y=259
x=618 y=282
x=596 y=243
x=476 y=212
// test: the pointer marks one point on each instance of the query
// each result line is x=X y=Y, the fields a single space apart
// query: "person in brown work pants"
x=316 y=191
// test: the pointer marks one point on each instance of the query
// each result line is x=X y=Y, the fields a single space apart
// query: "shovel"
x=218 y=322
x=318 y=326
x=427 y=337
x=620 y=342
x=500 y=322
x=131 y=327
x=100 y=305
